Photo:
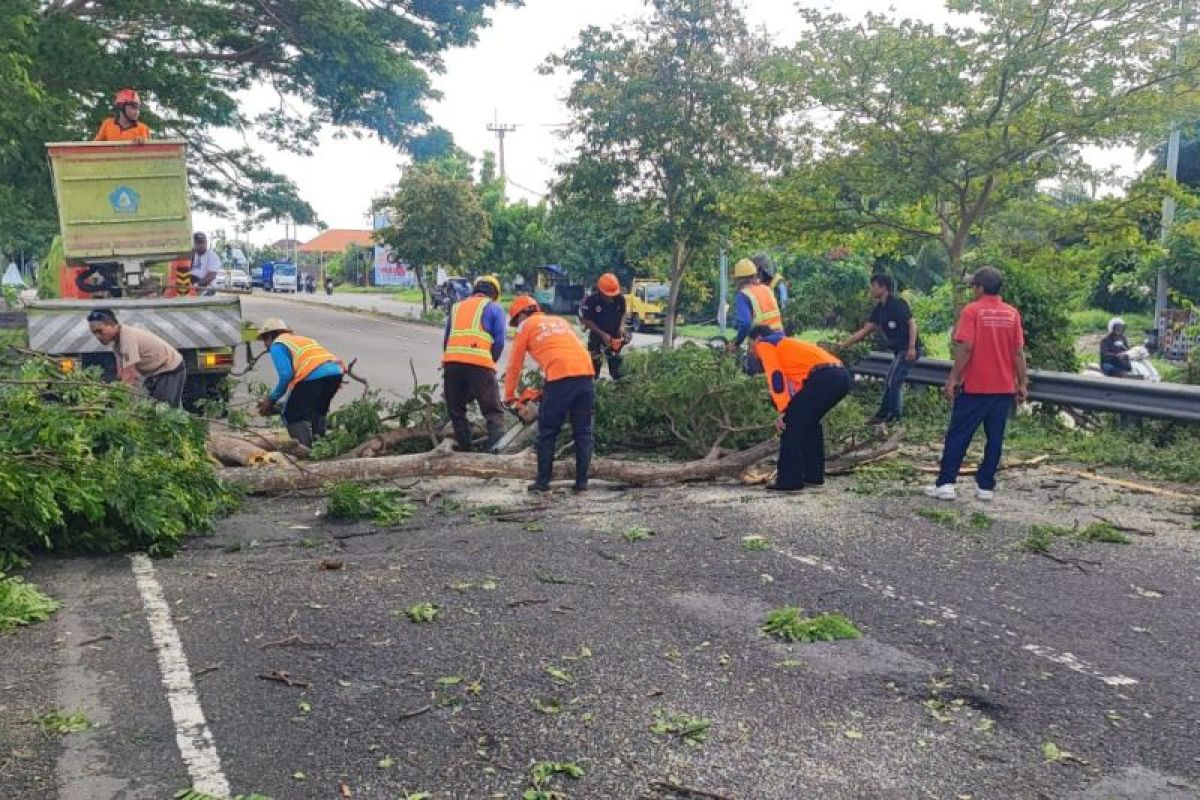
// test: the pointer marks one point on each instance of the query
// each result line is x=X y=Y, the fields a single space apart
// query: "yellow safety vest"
x=764 y=306
x=307 y=355
x=469 y=342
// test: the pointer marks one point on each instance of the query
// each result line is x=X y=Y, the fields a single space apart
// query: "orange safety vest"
x=787 y=365
x=469 y=342
x=765 y=307
x=307 y=355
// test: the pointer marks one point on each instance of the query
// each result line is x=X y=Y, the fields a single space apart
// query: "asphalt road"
x=383 y=346
x=984 y=671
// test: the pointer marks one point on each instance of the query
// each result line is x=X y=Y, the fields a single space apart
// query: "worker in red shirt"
x=988 y=375
x=569 y=390
x=805 y=384
x=125 y=125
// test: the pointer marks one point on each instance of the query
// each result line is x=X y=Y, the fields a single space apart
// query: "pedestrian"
x=125 y=125
x=1114 y=350
x=805 y=383
x=893 y=323
x=603 y=316
x=309 y=372
x=569 y=390
x=988 y=375
x=754 y=305
x=206 y=264
x=142 y=357
x=474 y=340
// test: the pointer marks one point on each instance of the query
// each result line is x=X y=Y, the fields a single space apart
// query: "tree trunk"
x=424 y=293
x=443 y=462
x=678 y=265
x=235 y=452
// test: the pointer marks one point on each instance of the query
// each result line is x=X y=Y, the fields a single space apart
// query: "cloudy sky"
x=498 y=79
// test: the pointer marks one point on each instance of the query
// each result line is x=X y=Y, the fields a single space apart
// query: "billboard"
x=389 y=270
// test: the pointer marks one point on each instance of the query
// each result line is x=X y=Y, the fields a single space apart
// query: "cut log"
x=387 y=441
x=234 y=452
x=443 y=462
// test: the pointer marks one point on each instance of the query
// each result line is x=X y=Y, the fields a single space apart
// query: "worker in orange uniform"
x=754 y=305
x=306 y=369
x=570 y=389
x=125 y=125
x=805 y=383
x=603 y=316
x=472 y=345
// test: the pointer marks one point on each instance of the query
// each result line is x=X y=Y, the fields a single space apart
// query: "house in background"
x=314 y=254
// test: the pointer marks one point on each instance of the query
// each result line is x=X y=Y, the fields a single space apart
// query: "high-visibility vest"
x=765 y=307
x=787 y=365
x=307 y=355
x=469 y=342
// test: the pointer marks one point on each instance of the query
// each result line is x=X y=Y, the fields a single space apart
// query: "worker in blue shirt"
x=754 y=305
x=306 y=369
x=474 y=340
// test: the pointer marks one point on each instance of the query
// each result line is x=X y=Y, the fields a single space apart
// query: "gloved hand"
x=266 y=407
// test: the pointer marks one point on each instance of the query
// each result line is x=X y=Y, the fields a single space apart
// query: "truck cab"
x=284 y=277
x=646 y=304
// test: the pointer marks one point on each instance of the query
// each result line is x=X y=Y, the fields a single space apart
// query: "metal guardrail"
x=1120 y=395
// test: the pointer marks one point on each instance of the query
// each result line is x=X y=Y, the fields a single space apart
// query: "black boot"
x=545 y=469
x=495 y=432
x=302 y=432
x=462 y=435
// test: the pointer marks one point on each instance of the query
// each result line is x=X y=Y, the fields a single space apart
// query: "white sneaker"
x=943 y=492
x=985 y=495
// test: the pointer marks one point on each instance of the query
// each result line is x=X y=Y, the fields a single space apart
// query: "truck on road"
x=126 y=232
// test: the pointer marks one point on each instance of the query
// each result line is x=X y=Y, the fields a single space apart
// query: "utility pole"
x=500 y=129
x=1163 y=289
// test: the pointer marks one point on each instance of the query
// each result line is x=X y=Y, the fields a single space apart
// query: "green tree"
x=360 y=66
x=933 y=128
x=671 y=113
x=437 y=220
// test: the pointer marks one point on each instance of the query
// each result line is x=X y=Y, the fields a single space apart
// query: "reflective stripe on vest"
x=307 y=355
x=469 y=342
x=764 y=307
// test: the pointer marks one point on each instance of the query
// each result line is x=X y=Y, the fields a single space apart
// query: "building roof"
x=285 y=244
x=335 y=240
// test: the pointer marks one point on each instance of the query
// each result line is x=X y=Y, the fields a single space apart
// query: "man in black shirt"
x=893 y=322
x=603 y=315
x=1113 y=348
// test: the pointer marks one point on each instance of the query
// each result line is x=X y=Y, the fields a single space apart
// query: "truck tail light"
x=211 y=359
x=67 y=365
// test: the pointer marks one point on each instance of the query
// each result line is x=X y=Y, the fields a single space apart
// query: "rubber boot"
x=545 y=469
x=302 y=432
x=583 y=460
x=462 y=435
x=495 y=432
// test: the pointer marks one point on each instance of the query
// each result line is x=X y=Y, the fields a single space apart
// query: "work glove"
x=266 y=407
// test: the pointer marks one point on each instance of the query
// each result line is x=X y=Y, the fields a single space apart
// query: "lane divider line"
x=192 y=735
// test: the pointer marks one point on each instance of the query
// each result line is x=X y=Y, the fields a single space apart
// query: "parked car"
x=239 y=279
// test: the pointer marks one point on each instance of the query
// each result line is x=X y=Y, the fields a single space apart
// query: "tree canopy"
x=361 y=66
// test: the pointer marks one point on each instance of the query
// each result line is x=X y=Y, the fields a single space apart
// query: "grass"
x=787 y=623
x=1095 y=320
x=22 y=604
x=637 y=533
x=941 y=516
x=57 y=722
x=755 y=544
x=1041 y=537
x=892 y=476
x=349 y=502
x=423 y=612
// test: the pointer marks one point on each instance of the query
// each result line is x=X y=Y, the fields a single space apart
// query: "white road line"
x=1064 y=659
x=192 y=735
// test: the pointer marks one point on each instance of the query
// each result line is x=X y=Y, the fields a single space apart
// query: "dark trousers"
x=568 y=398
x=892 y=404
x=802 y=448
x=600 y=355
x=309 y=402
x=463 y=383
x=167 y=387
x=970 y=411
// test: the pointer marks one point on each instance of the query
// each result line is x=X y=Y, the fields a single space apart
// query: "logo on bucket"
x=125 y=200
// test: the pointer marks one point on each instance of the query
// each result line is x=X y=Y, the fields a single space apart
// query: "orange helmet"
x=520 y=303
x=128 y=96
x=608 y=285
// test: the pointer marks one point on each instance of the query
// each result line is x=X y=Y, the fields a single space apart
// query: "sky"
x=497 y=80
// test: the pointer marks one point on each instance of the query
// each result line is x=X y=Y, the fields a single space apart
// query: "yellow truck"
x=122 y=208
x=646 y=304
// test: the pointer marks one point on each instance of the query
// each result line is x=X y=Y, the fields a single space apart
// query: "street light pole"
x=1163 y=289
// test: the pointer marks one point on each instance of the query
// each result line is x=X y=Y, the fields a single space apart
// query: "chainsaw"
x=615 y=345
x=525 y=408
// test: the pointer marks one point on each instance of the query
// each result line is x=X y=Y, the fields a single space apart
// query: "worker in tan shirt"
x=141 y=357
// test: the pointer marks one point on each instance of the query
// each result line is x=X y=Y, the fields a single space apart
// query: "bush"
x=934 y=310
x=828 y=292
x=88 y=467
x=1047 y=322
x=22 y=603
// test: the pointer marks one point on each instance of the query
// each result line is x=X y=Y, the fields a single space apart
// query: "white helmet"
x=1114 y=322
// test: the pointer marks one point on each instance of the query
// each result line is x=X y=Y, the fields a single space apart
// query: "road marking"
x=192 y=735
x=1064 y=659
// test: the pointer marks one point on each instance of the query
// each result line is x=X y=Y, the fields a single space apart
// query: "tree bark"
x=442 y=462
x=235 y=452
x=678 y=265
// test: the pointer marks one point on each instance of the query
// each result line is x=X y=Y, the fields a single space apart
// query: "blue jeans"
x=970 y=411
x=892 y=404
